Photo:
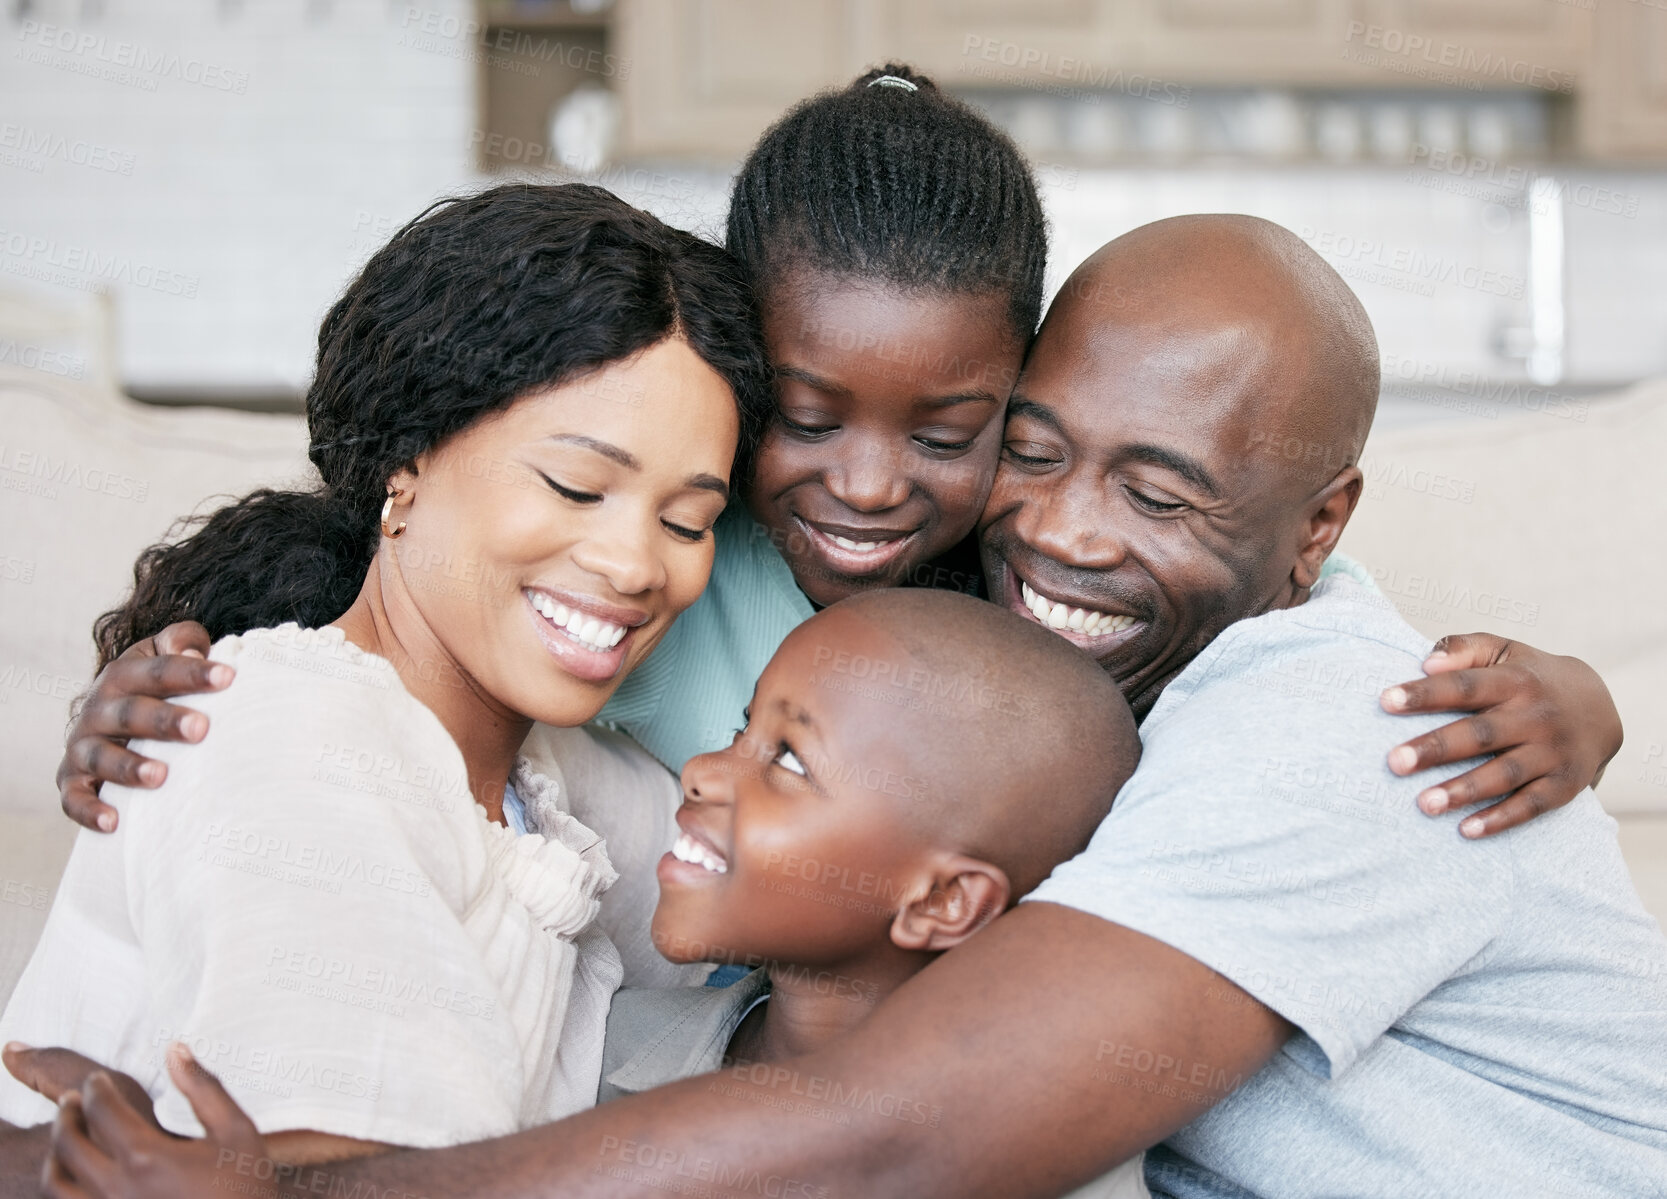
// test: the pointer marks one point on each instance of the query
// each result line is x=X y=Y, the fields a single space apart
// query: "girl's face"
x=549 y=547
x=887 y=427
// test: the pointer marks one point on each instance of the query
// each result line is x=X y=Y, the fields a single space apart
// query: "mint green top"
x=688 y=696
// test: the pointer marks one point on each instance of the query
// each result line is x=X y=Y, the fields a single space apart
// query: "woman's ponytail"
x=272 y=557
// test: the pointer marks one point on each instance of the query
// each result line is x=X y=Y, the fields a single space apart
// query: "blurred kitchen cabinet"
x=704 y=78
x=1536 y=44
x=1237 y=42
x=1623 y=102
x=1011 y=43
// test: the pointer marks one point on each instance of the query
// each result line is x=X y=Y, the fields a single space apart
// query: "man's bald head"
x=1182 y=445
x=1268 y=307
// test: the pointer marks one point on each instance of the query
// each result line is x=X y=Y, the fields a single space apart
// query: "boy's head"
x=914 y=761
x=896 y=242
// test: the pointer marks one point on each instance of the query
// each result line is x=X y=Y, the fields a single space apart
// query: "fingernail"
x=1433 y=801
x=191 y=653
x=152 y=773
x=1436 y=653
x=1472 y=827
x=220 y=674
x=106 y=822
x=1402 y=759
x=194 y=726
x=182 y=1051
x=1395 y=697
x=16 y=1047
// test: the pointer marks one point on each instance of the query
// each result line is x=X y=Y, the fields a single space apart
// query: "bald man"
x=1267 y=963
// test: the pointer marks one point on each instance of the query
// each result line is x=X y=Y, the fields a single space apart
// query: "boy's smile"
x=775 y=828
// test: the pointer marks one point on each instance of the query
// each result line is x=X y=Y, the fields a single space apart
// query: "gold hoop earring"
x=388 y=511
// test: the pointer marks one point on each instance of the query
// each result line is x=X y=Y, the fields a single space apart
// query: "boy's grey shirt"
x=659 y=1035
x=1474 y=1017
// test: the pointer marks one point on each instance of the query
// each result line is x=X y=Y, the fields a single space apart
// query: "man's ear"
x=1328 y=515
x=965 y=894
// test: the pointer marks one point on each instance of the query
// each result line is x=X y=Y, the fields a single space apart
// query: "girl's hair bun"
x=893 y=70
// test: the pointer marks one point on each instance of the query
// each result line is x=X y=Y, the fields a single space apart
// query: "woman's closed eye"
x=572 y=494
x=686 y=533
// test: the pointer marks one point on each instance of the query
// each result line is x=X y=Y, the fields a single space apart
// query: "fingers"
x=76 y=1166
x=183 y=637
x=1455 y=742
x=110 y=714
x=1536 y=799
x=157 y=677
x=88 y=764
x=55 y=1182
x=1493 y=779
x=218 y=1112
x=1457 y=691
x=1462 y=651
x=78 y=796
x=111 y=1118
x=51 y=1072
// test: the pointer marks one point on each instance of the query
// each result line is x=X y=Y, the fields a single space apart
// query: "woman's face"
x=887 y=427
x=549 y=547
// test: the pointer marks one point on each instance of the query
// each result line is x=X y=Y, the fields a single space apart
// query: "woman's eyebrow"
x=704 y=482
x=610 y=451
x=606 y=448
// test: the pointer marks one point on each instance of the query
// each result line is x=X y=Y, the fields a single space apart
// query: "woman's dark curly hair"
x=914 y=187
x=477 y=302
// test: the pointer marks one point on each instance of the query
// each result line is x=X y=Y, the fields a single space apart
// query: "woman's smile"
x=581 y=641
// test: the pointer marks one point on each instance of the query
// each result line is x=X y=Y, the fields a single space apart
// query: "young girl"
x=358 y=897
x=896 y=245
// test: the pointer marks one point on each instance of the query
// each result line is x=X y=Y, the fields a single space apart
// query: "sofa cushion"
x=87 y=480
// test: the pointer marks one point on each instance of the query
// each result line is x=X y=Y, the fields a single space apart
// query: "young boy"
x=909 y=769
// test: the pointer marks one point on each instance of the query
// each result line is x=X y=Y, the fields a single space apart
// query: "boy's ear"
x=965 y=894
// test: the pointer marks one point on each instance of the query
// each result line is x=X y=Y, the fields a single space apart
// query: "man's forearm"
x=22 y=1152
x=997 y=1071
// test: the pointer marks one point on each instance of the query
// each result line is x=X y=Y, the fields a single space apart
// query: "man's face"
x=1130 y=511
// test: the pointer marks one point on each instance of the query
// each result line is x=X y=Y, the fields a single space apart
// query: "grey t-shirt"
x=1475 y=1017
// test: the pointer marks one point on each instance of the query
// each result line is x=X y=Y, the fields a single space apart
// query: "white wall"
x=262 y=148
x=266 y=196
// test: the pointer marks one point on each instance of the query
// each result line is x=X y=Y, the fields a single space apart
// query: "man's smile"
x=1093 y=629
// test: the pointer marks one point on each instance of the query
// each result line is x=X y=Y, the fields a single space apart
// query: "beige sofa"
x=1539 y=527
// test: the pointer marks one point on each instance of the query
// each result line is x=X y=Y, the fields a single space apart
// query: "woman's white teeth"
x=687 y=849
x=861 y=547
x=586 y=630
x=1080 y=620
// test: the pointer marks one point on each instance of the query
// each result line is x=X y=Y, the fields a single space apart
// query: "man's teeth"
x=687 y=849
x=1078 y=620
x=861 y=547
x=586 y=630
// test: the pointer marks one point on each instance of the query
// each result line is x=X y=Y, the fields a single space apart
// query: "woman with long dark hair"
x=358 y=898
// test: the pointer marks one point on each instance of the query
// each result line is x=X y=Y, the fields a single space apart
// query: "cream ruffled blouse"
x=314 y=903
